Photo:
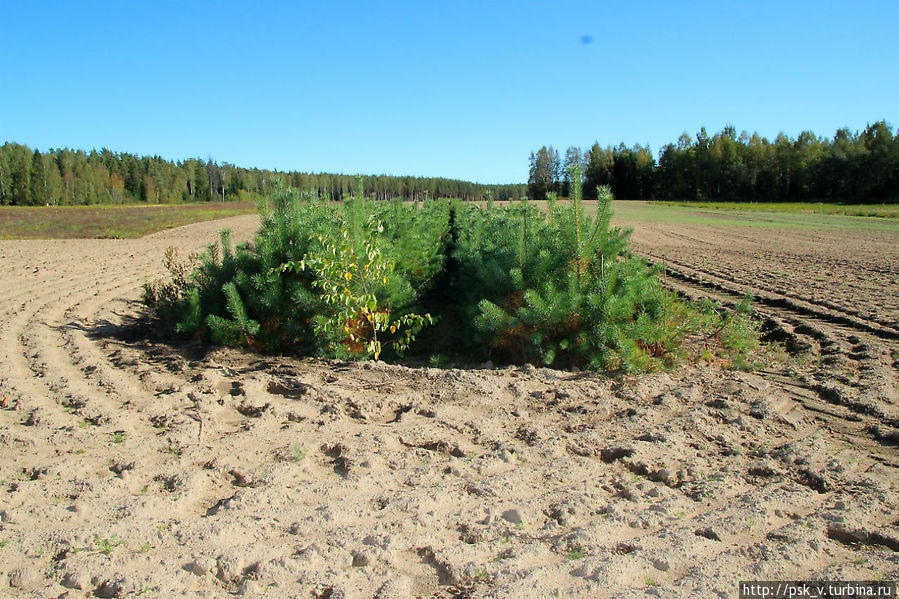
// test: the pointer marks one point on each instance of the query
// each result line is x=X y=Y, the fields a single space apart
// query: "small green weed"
x=119 y=437
x=106 y=545
x=577 y=553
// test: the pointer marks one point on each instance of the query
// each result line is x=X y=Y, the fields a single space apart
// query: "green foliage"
x=358 y=285
x=237 y=330
x=69 y=177
x=37 y=182
x=239 y=296
x=318 y=279
x=544 y=172
x=560 y=289
x=106 y=545
x=851 y=167
x=510 y=284
x=199 y=186
x=577 y=553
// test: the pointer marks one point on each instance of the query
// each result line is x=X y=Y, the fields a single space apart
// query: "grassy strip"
x=107 y=222
x=868 y=210
x=633 y=212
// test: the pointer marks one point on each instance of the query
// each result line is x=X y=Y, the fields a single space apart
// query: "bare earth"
x=130 y=467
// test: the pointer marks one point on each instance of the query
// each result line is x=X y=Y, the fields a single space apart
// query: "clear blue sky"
x=457 y=89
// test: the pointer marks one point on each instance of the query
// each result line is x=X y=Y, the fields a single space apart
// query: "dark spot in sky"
x=586 y=39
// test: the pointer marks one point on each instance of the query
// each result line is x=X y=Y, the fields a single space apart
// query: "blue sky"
x=456 y=89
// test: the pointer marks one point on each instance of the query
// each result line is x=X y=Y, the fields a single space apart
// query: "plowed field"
x=133 y=466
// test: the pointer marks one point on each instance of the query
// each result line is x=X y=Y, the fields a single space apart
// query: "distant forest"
x=74 y=177
x=850 y=168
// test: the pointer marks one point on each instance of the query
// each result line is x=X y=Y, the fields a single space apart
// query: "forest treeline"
x=849 y=168
x=73 y=177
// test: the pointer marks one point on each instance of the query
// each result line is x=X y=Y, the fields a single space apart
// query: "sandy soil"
x=851 y=272
x=130 y=467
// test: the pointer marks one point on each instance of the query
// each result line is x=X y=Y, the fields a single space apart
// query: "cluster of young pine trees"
x=560 y=288
x=319 y=278
x=439 y=279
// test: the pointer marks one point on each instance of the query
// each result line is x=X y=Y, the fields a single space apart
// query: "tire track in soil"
x=857 y=370
x=47 y=335
x=840 y=268
x=23 y=377
x=55 y=379
x=776 y=297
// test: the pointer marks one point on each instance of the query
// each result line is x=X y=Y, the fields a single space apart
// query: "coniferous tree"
x=4 y=180
x=851 y=167
x=21 y=172
x=567 y=293
x=37 y=183
x=201 y=183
